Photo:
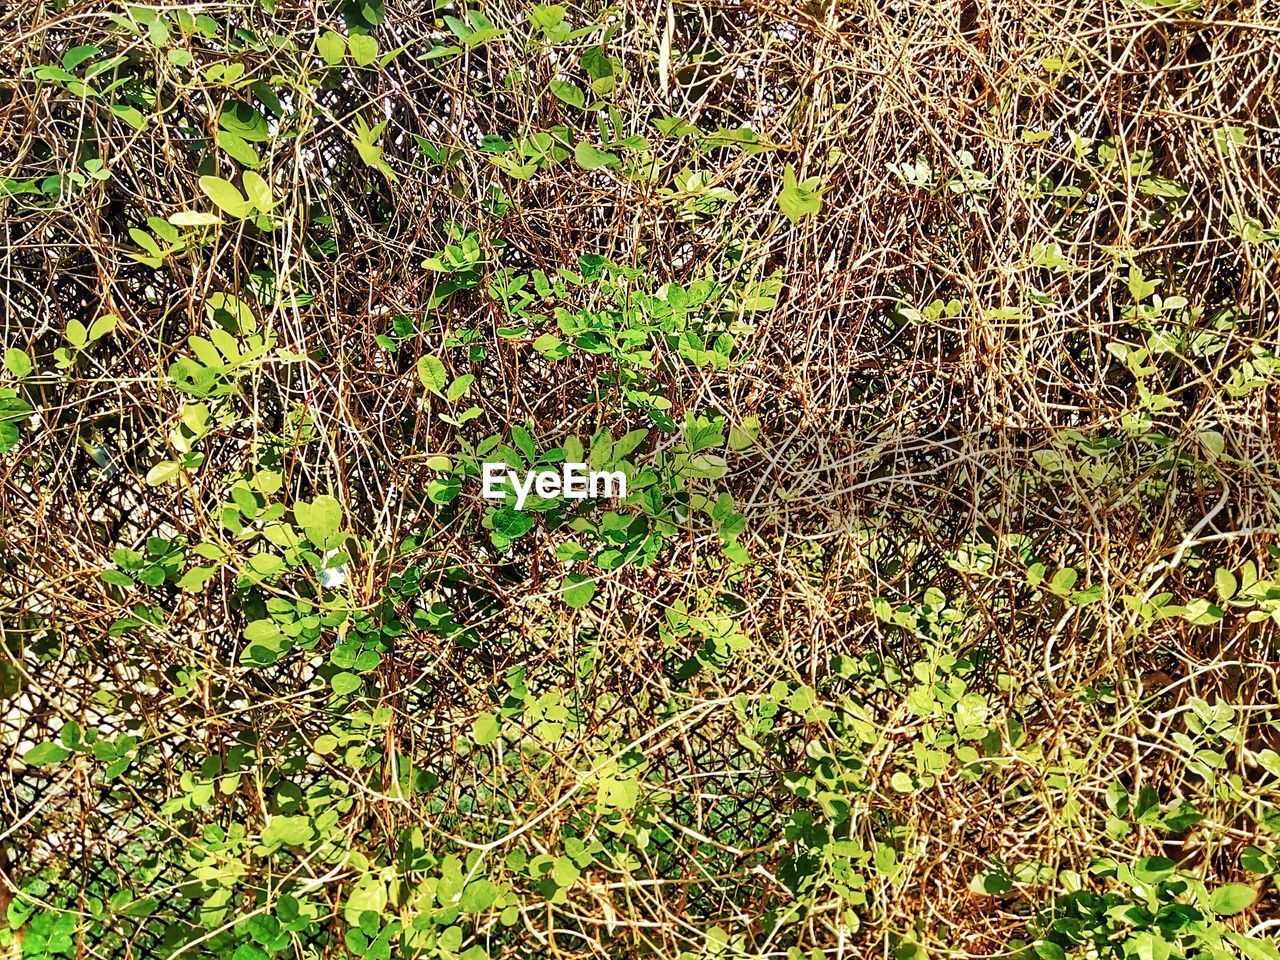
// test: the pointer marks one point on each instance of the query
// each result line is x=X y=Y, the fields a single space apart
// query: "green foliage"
x=938 y=617
x=1149 y=908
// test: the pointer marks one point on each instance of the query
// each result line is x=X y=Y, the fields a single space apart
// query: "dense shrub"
x=936 y=342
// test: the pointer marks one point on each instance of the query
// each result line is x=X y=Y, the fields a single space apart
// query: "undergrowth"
x=937 y=344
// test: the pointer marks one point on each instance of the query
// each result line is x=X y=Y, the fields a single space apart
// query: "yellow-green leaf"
x=225 y=196
x=364 y=48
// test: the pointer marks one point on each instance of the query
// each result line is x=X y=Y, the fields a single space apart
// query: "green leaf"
x=1232 y=899
x=1063 y=581
x=524 y=440
x=345 y=683
x=1202 y=612
x=743 y=434
x=225 y=196
x=799 y=199
x=1088 y=595
x=244 y=121
x=288 y=832
x=549 y=343
x=593 y=158
x=459 y=387
x=71 y=735
x=265 y=643
x=368 y=894
x=44 y=754
x=1255 y=948
x=577 y=590
x=901 y=782
x=257 y=191
x=1225 y=139
x=671 y=126
x=1225 y=582
x=364 y=48
x=163 y=472
x=321 y=518
x=77 y=335
x=102 y=326
x=478 y=895
x=627 y=443
x=432 y=373
x=194 y=580
x=226 y=308
x=78 y=55
x=991 y=883
x=1214 y=442
x=130 y=115
x=1154 y=869
x=365 y=142
x=511 y=523
x=17 y=362
x=146 y=241
x=486 y=728
x=569 y=93
x=565 y=872
x=1140 y=288
x=1269 y=760
x=1256 y=860
x=238 y=148
x=261 y=631
x=571 y=552
x=331 y=46
x=141 y=908
x=546 y=17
